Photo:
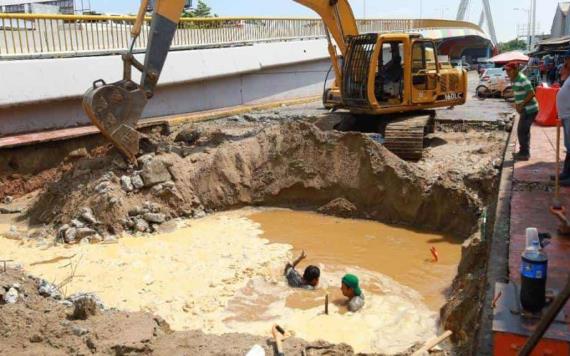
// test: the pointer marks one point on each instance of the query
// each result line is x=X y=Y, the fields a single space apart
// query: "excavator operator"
x=390 y=75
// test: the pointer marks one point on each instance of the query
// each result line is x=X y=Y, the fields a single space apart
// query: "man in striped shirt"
x=526 y=106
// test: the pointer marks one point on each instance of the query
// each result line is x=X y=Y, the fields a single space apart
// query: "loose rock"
x=85 y=232
x=87 y=215
x=156 y=218
x=49 y=290
x=141 y=225
x=11 y=297
x=137 y=182
x=127 y=184
x=155 y=172
x=70 y=235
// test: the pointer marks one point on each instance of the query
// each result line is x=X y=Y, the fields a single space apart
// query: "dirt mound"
x=293 y=164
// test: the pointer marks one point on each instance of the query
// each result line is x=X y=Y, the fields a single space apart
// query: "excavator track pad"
x=116 y=109
x=407 y=137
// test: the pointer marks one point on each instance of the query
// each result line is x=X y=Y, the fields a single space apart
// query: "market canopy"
x=513 y=56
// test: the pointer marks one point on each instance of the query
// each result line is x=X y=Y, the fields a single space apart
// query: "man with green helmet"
x=351 y=289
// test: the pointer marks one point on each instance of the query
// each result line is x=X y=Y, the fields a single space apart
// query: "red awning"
x=514 y=56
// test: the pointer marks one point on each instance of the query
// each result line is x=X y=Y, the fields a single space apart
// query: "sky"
x=506 y=18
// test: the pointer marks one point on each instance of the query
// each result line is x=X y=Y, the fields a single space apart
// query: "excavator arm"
x=116 y=108
x=338 y=18
x=340 y=22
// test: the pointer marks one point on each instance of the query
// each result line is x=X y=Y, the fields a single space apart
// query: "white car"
x=494 y=82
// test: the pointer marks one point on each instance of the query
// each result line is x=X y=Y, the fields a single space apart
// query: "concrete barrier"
x=39 y=95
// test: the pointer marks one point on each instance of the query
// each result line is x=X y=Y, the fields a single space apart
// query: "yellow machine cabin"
x=392 y=73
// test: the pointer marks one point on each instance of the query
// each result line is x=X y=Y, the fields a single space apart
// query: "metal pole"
x=533 y=29
x=421 y=9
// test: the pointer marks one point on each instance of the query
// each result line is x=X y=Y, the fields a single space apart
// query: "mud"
x=284 y=160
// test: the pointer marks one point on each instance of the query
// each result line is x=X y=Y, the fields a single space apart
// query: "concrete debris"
x=137 y=182
x=141 y=225
x=127 y=184
x=70 y=235
x=48 y=290
x=11 y=297
x=155 y=172
x=87 y=215
x=77 y=223
x=156 y=218
x=85 y=232
x=144 y=159
x=78 y=330
x=103 y=187
x=150 y=206
x=198 y=213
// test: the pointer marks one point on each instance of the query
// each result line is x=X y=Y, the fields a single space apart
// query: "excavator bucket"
x=116 y=109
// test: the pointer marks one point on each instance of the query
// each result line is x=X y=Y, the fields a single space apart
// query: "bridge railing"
x=39 y=35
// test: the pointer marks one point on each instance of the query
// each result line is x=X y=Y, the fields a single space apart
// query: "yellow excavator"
x=376 y=75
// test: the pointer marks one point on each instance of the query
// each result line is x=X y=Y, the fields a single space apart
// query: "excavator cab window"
x=390 y=73
x=424 y=65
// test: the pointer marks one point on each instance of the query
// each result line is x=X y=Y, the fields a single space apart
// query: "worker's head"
x=312 y=275
x=350 y=286
x=512 y=69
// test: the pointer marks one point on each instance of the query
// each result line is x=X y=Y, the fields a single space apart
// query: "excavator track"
x=406 y=137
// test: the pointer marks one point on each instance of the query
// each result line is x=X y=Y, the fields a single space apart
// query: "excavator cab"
x=392 y=73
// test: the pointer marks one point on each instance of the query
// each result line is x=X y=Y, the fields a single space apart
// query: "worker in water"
x=526 y=105
x=563 y=106
x=310 y=278
x=350 y=288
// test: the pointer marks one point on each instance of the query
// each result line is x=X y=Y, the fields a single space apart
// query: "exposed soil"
x=265 y=159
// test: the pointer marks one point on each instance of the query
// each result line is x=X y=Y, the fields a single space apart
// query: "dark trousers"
x=523 y=131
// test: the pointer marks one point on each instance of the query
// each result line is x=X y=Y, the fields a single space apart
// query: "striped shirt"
x=522 y=87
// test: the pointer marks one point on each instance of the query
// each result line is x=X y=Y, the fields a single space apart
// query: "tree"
x=513 y=45
x=202 y=10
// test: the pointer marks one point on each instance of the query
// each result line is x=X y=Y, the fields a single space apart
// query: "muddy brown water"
x=399 y=253
x=223 y=273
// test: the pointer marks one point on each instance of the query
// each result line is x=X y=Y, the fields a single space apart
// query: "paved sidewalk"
x=532 y=196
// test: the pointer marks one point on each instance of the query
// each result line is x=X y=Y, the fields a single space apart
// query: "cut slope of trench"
x=283 y=165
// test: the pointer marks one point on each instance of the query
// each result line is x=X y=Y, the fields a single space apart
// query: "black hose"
x=326 y=80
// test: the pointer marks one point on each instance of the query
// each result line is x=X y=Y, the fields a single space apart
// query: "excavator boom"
x=338 y=18
x=116 y=108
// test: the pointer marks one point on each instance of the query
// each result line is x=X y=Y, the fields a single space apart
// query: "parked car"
x=494 y=82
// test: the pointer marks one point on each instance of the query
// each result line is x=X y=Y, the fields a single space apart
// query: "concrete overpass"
x=49 y=61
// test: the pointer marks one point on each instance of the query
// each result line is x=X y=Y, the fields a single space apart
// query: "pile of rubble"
x=83 y=229
x=145 y=218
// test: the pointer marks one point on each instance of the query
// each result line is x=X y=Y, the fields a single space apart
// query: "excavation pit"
x=219 y=281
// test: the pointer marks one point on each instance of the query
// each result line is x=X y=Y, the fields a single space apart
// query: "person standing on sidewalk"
x=563 y=106
x=527 y=107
